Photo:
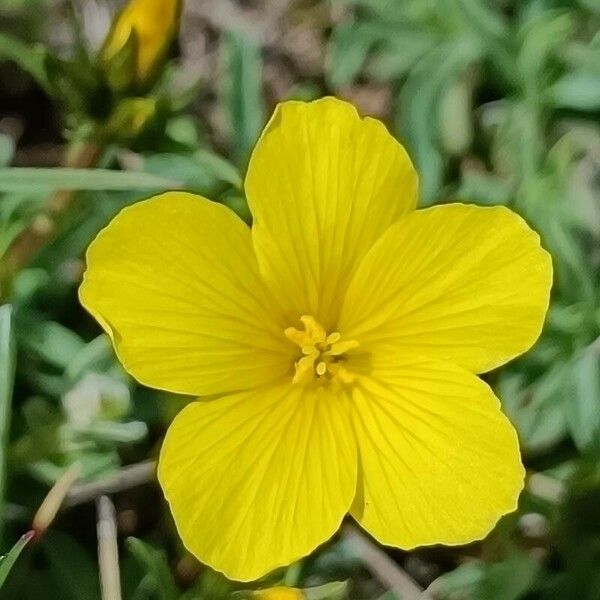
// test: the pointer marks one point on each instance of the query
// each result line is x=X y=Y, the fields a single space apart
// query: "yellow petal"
x=323 y=185
x=439 y=462
x=259 y=479
x=174 y=281
x=153 y=22
x=460 y=283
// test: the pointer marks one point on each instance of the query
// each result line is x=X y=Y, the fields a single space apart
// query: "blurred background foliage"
x=498 y=102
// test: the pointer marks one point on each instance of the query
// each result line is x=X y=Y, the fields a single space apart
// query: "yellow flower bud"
x=279 y=593
x=149 y=26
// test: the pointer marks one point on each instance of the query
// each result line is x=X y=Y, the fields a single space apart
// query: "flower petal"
x=259 y=479
x=439 y=462
x=460 y=283
x=174 y=281
x=323 y=185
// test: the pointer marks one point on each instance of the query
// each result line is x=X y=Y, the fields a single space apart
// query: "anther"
x=322 y=354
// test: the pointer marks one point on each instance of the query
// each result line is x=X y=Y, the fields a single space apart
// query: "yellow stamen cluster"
x=322 y=354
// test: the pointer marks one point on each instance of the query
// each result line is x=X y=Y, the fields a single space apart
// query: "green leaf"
x=219 y=167
x=155 y=562
x=50 y=341
x=238 y=205
x=336 y=590
x=509 y=579
x=460 y=583
x=211 y=584
x=348 y=50
x=505 y=580
x=7 y=150
x=113 y=433
x=583 y=412
x=401 y=53
x=16 y=213
x=7 y=373
x=455 y=120
x=71 y=566
x=202 y=172
x=542 y=35
x=97 y=356
x=71 y=83
x=538 y=411
x=486 y=24
x=578 y=90
x=483 y=188
x=420 y=103
x=243 y=94
x=483 y=18
x=35 y=180
x=184 y=130
x=7 y=562
x=30 y=58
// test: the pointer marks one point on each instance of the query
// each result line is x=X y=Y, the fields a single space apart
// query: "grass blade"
x=7 y=374
x=27 y=180
x=8 y=561
x=243 y=94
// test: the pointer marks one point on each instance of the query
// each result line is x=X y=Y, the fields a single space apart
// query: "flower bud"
x=138 y=41
x=279 y=593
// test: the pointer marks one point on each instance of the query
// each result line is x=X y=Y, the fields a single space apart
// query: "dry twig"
x=108 y=550
x=127 y=478
x=382 y=566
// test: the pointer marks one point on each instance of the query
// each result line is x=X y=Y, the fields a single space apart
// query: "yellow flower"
x=150 y=26
x=342 y=336
x=279 y=593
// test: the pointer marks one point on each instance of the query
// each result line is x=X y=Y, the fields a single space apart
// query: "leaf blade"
x=7 y=562
x=32 y=180
x=7 y=374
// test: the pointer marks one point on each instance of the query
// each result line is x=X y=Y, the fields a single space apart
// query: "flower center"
x=322 y=354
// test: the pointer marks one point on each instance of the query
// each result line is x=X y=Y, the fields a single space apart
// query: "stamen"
x=298 y=337
x=334 y=337
x=304 y=369
x=313 y=328
x=341 y=373
x=322 y=354
x=343 y=347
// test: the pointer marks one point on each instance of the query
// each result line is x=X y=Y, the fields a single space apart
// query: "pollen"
x=322 y=355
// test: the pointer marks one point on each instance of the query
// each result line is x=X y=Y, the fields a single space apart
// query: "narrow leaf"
x=7 y=373
x=583 y=412
x=578 y=90
x=7 y=562
x=34 y=180
x=30 y=58
x=154 y=562
x=242 y=92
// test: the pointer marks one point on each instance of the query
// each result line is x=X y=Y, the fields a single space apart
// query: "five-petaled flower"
x=339 y=339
